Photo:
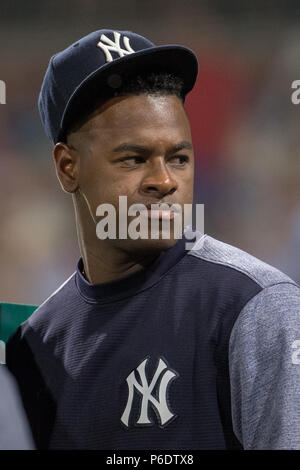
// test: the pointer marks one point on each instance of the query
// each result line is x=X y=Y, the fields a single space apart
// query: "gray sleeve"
x=264 y=366
x=14 y=430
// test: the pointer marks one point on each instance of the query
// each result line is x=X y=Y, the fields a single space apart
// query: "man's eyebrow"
x=184 y=145
x=125 y=147
x=130 y=148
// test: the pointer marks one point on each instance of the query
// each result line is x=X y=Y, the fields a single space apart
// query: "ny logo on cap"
x=108 y=45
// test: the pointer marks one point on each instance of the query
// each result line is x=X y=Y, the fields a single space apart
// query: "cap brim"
x=175 y=59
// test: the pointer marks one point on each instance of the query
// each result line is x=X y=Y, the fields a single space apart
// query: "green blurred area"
x=11 y=316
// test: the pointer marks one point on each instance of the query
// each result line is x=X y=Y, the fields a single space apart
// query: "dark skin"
x=136 y=146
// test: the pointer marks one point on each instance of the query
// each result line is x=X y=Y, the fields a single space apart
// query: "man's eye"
x=179 y=159
x=131 y=161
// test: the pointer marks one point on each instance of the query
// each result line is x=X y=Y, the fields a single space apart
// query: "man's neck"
x=106 y=260
x=105 y=265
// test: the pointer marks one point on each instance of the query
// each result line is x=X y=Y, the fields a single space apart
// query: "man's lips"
x=155 y=212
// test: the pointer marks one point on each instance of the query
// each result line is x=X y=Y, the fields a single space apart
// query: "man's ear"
x=67 y=166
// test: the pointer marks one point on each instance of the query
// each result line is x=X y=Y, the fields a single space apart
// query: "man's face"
x=139 y=147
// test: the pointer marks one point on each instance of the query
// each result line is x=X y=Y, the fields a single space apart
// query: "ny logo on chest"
x=161 y=380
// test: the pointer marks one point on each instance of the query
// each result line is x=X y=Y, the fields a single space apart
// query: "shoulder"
x=43 y=329
x=266 y=333
x=220 y=254
x=266 y=301
x=51 y=307
x=49 y=314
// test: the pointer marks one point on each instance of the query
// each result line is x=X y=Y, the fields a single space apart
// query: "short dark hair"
x=151 y=84
x=160 y=84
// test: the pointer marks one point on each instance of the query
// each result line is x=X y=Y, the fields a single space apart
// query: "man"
x=149 y=345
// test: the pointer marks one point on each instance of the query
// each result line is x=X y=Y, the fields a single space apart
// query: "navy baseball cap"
x=97 y=65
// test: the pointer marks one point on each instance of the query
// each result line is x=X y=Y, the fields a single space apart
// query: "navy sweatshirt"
x=197 y=351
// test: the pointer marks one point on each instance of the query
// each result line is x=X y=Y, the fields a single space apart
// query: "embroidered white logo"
x=159 y=404
x=108 y=45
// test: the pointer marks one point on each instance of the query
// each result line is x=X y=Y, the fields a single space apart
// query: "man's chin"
x=145 y=247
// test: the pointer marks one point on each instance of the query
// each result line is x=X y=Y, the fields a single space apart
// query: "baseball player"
x=149 y=345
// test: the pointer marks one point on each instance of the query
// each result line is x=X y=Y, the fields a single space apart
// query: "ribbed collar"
x=134 y=283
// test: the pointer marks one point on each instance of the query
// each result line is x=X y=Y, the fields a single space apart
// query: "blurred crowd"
x=244 y=127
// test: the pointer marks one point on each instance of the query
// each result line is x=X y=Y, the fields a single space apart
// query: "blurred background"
x=244 y=125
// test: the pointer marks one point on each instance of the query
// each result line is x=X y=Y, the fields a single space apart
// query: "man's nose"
x=158 y=181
